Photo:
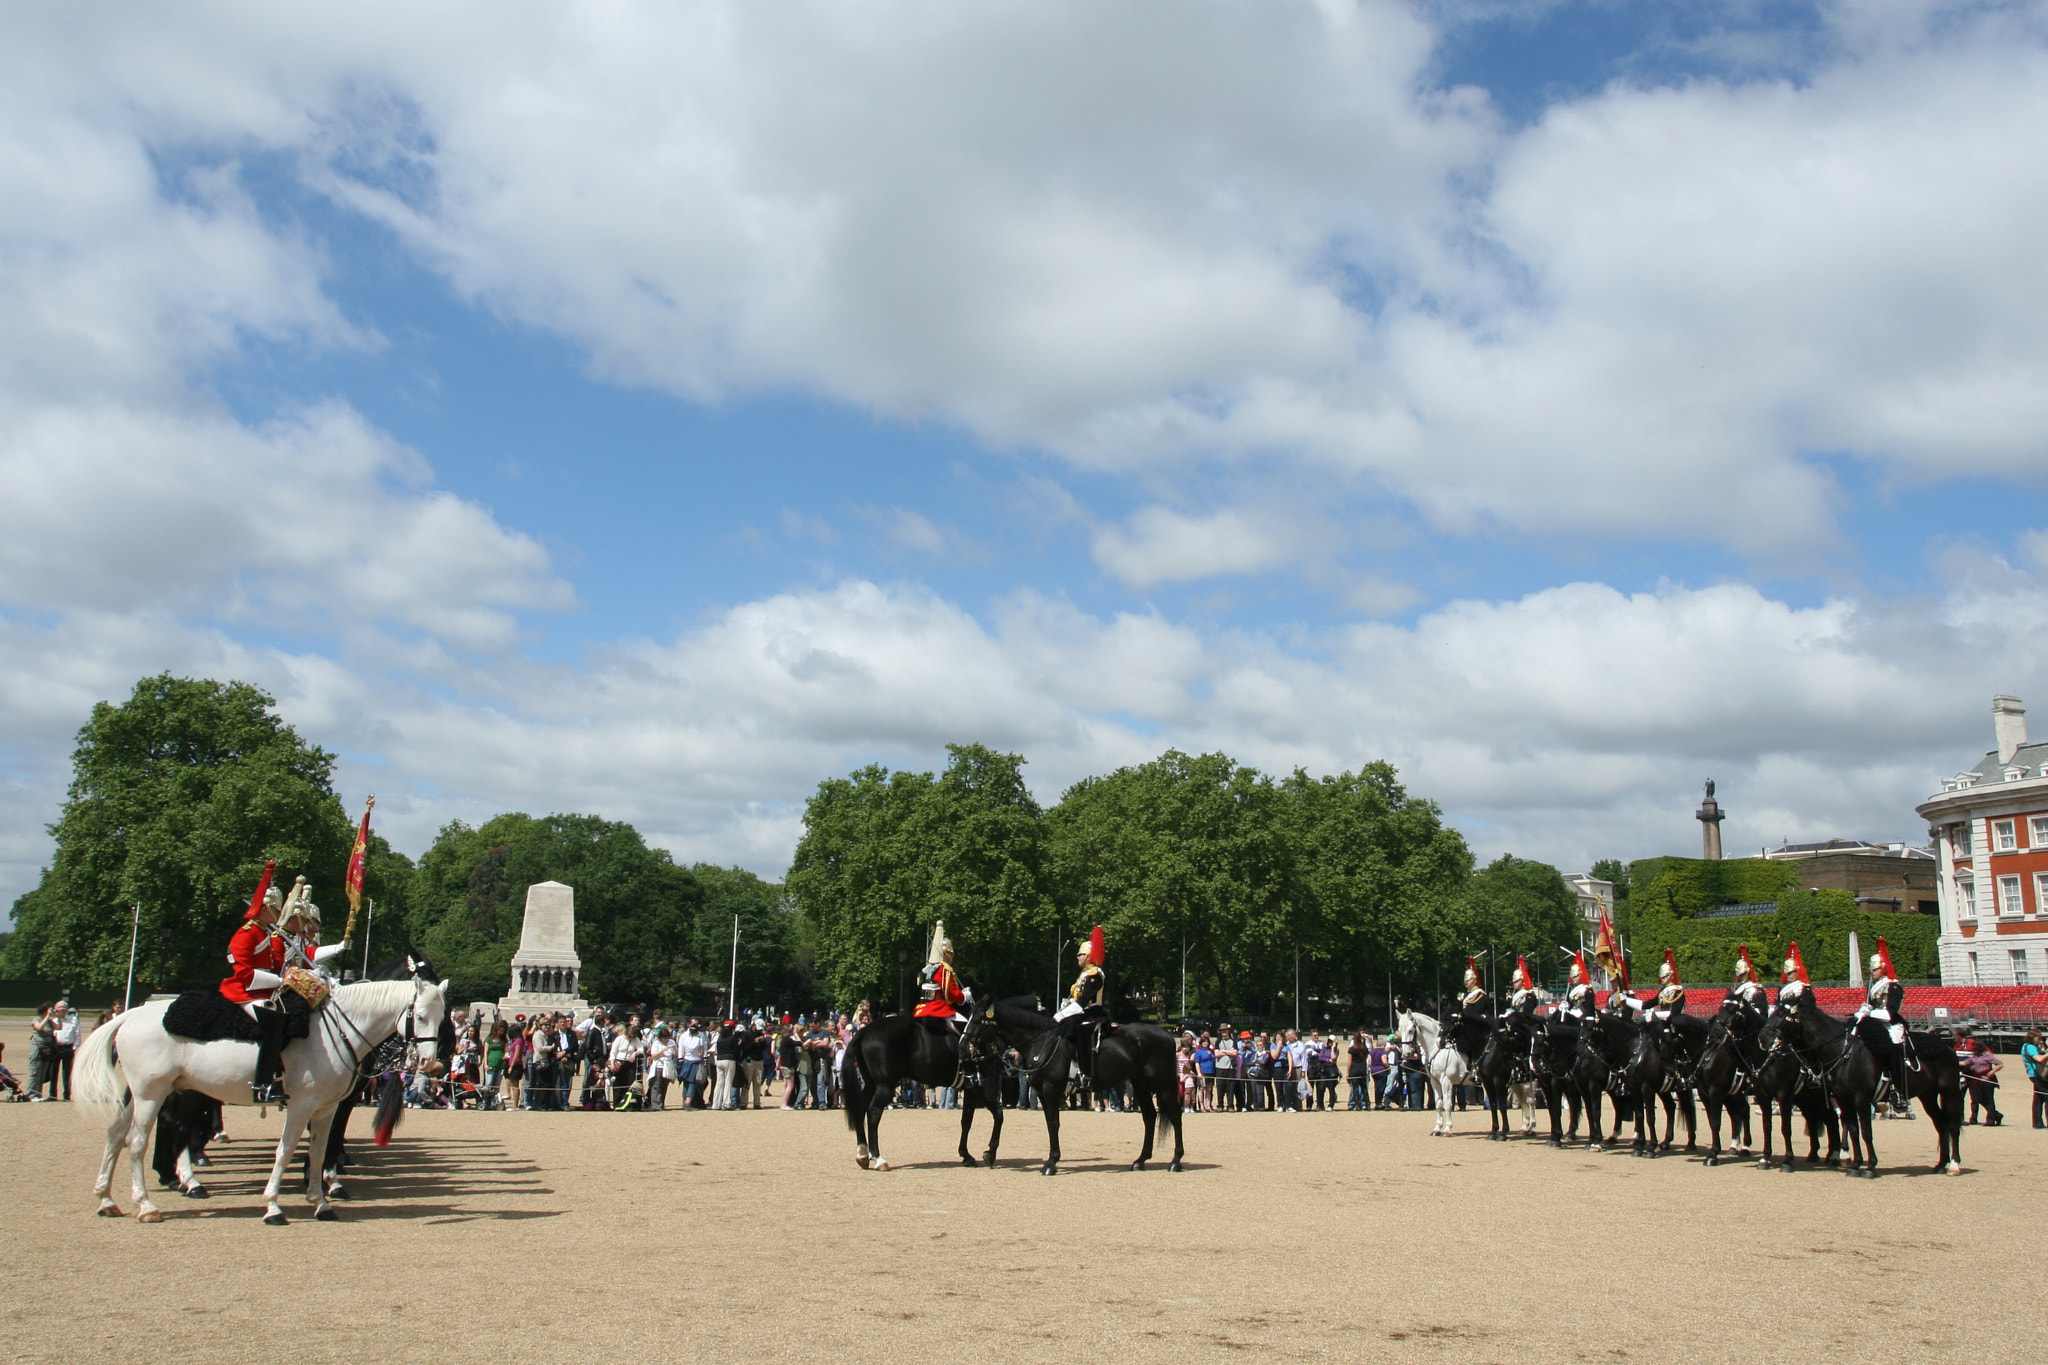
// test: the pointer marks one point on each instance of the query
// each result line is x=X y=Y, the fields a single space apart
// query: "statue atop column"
x=1710 y=815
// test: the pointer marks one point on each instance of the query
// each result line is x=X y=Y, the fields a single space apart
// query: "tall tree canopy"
x=178 y=797
x=885 y=854
x=636 y=911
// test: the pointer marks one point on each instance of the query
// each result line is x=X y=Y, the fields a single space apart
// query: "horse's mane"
x=376 y=995
x=1021 y=1011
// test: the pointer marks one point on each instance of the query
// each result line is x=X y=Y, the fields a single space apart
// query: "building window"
x=1966 y=899
x=2039 y=837
x=1975 y=980
x=1962 y=840
x=2002 y=838
x=2019 y=965
x=2009 y=897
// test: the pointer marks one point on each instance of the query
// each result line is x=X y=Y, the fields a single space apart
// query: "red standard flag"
x=1608 y=955
x=352 y=883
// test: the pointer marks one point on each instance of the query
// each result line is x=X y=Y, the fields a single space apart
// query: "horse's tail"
x=854 y=1086
x=390 y=1105
x=97 y=1086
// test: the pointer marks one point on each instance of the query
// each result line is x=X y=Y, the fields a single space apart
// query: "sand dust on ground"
x=753 y=1236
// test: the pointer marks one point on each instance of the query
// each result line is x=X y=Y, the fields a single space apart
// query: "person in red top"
x=256 y=961
x=943 y=995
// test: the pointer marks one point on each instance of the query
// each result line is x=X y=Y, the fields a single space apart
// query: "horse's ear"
x=443 y=988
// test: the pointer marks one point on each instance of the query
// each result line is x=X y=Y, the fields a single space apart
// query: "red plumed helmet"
x=256 y=901
x=1884 y=955
x=1528 y=982
x=1095 y=953
x=1579 y=960
x=1742 y=954
x=1798 y=962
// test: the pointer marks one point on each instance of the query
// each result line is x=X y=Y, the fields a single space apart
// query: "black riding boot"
x=270 y=1057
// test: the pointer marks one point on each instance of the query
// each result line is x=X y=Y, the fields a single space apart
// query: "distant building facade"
x=1990 y=831
x=1896 y=877
x=1595 y=897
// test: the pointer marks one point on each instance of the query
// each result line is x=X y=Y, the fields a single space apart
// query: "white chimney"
x=2009 y=719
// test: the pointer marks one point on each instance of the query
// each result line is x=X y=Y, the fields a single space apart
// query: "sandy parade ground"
x=753 y=1236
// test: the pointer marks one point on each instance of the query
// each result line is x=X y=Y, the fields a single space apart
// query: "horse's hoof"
x=879 y=1165
x=861 y=1162
x=1554 y=1143
x=275 y=1219
x=201 y=1161
x=337 y=1191
x=195 y=1190
x=1173 y=1166
x=150 y=1216
x=111 y=1211
x=327 y=1213
x=969 y=1161
x=1954 y=1168
x=1048 y=1170
x=1712 y=1161
x=1137 y=1165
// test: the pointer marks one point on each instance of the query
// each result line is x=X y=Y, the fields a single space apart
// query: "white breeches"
x=1898 y=1034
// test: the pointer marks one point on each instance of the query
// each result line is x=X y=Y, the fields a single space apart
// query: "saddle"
x=210 y=1017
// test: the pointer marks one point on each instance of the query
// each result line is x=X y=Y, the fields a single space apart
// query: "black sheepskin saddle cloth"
x=208 y=1017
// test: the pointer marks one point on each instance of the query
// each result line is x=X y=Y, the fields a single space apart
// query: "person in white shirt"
x=63 y=1047
x=690 y=1055
x=621 y=1064
x=661 y=1066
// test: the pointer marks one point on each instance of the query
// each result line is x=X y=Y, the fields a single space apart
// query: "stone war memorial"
x=546 y=972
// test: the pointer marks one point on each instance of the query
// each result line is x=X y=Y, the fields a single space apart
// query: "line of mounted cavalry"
x=1780 y=1050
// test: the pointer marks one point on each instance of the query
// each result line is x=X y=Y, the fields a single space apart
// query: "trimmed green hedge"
x=1686 y=886
x=1819 y=921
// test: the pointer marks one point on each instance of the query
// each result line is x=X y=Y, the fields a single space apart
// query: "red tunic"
x=254 y=947
x=949 y=994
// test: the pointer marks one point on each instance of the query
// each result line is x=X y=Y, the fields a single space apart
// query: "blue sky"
x=654 y=412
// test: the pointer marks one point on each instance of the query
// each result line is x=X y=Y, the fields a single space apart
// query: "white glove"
x=1861 y=1014
x=260 y=980
x=330 y=952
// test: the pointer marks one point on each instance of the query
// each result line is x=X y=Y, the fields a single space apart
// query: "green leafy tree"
x=637 y=913
x=1179 y=855
x=1516 y=906
x=178 y=797
x=1379 y=874
x=771 y=968
x=884 y=855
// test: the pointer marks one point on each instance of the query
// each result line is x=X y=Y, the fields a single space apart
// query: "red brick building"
x=1990 y=833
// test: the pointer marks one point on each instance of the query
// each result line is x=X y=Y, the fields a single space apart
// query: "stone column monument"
x=1710 y=816
x=546 y=973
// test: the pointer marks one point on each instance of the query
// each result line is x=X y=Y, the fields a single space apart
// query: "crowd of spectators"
x=652 y=1063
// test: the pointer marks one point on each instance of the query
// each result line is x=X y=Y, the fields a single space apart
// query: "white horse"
x=131 y=1084
x=1447 y=1065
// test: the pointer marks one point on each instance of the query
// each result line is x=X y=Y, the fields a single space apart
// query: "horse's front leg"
x=993 y=1098
x=968 y=1101
x=296 y=1115
x=1051 y=1098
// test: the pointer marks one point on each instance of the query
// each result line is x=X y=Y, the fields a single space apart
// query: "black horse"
x=1573 y=1072
x=1851 y=1072
x=1724 y=1068
x=1785 y=1081
x=1140 y=1055
x=1506 y=1052
x=1656 y=1070
x=184 y=1125
x=902 y=1047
